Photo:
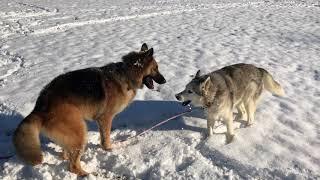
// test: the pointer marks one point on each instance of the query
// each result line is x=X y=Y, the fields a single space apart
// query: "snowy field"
x=40 y=39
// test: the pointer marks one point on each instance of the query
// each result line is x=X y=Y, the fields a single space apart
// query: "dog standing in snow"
x=237 y=86
x=97 y=93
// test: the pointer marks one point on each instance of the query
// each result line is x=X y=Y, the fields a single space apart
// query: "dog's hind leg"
x=68 y=129
x=74 y=146
x=64 y=154
x=250 y=108
x=251 y=101
x=230 y=130
x=242 y=114
x=74 y=158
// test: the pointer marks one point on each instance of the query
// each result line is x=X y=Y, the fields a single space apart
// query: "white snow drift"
x=42 y=39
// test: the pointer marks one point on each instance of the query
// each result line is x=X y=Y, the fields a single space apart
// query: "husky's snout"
x=178 y=97
x=185 y=103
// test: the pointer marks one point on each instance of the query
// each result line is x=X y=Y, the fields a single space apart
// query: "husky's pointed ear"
x=197 y=74
x=144 y=47
x=205 y=85
x=149 y=53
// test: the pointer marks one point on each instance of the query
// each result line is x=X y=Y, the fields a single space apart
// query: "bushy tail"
x=270 y=84
x=26 y=139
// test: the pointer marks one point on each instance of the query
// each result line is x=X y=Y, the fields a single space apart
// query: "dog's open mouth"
x=184 y=103
x=148 y=81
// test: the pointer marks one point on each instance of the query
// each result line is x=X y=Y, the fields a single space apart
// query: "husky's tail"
x=26 y=139
x=270 y=84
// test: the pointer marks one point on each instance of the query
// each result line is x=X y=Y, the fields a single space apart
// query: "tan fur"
x=62 y=118
x=27 y=140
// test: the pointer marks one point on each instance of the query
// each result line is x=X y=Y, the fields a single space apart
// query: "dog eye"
x=189 y=91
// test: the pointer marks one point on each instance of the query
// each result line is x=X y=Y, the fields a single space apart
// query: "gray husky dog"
x=237 y=86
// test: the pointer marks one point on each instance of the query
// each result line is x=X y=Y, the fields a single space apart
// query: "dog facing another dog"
x=100 y=93
x=237 y=86
x=94 y=93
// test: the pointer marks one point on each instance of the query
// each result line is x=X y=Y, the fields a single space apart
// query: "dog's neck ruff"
x=138 y=63
x=120 y=72
x=207 y=102
x=208 y=105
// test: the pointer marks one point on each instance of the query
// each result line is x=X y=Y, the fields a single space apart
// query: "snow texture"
x=42 y=39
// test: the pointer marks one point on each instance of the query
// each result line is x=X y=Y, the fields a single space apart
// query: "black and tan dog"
x=97 y=93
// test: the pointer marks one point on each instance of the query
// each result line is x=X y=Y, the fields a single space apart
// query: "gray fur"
x=237 y=86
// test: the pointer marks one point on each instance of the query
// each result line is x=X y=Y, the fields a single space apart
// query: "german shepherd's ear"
x=149 y=53
x=144 y=47
x=197 y=74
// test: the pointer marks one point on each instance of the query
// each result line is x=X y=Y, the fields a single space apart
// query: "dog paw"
x=249 y=124
x=63 y=155
x=239 y=117
x=94 y=173
x=107 y=147
x=79 y=172
x=230 y=138
x=83 y=174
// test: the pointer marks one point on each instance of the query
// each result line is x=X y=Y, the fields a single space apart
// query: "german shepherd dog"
x=97 y=93
x=236 y=86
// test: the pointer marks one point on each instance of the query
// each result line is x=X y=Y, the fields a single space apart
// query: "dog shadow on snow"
x=9 y=120
x=141 y=115
x=138 y=116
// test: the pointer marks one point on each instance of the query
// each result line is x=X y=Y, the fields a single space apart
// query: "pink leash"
x=160 y=123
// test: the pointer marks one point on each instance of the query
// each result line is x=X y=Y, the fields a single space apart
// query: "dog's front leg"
x=210 y=125
x=211 y=119
x=105 y=123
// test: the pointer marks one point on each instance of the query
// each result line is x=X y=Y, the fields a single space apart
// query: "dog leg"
x=105 y=123
x=64 y=155
x=230 y=129
x=251 y=108
x=211 y=119
x=210 y=126
x=74 y=145
x=242 y=114
x=74 y=158
x=68 y=129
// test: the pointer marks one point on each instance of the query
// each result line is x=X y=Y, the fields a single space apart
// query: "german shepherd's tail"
x=26 y=139
x=270 y=84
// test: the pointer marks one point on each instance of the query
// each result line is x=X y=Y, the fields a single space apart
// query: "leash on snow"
x=158 y=124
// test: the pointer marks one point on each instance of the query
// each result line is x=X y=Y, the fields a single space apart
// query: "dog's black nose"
x=178 y=97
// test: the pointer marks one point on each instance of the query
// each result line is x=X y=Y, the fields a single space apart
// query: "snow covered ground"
x=40 y=39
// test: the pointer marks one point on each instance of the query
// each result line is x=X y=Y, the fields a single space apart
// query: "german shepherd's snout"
x=158 y=78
